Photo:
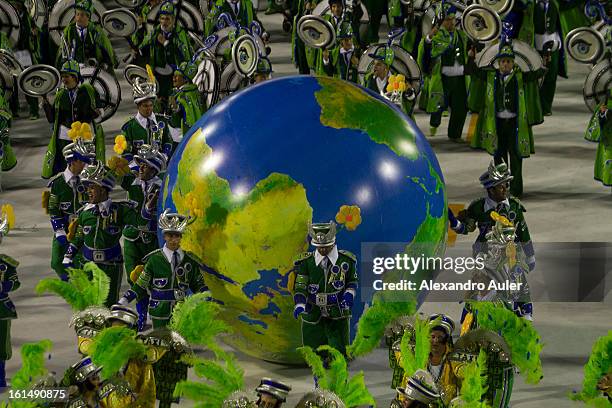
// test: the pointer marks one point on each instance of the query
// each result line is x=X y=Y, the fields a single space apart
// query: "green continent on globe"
x=345 y=106
x=242 y=254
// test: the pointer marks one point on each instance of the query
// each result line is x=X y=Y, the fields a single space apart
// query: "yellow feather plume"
x=496 y=217
x=8 y=213
x=150 y=74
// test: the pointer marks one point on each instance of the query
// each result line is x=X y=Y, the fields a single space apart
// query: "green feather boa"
x=113 y=347
x=599 y=364
x=196 y=319
x=372 y=323
x=521 y=336
x=353 y=392
x=80 y=291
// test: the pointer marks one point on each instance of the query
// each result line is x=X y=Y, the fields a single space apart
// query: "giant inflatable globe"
x=265 y=162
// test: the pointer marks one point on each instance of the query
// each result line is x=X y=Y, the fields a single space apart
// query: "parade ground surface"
x=564 y=204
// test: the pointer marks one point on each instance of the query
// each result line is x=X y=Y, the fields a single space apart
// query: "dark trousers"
x=549 y=84
x=455 y=98
x=507 y=148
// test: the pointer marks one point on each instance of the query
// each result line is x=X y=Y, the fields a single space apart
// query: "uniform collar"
x=142 y=121
x=349 y=51
x=103 y=207
x=68 y=175
x=168 y=254
x=490 y=204
x=155 y=180
x=333 y=256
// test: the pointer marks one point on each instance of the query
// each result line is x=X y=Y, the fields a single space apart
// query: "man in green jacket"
x=343 y=60
x=8 y=160
x=445 y=49
x=325 y=287
x=86 y=39
x=509 y=108
x=75 y=102
x=169 y=273
x=146 y=127
x=66 y=196
x=185 y=101
x=167 y=46
x=496 y=181
x=8 y=283
x=99 y=226
x=599 y=130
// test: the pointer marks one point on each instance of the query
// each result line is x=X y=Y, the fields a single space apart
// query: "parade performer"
x=336 y=8
x=9 y=282
x=141 y=239
x=343 y=60
x=302 y=55
x=99 y=226
x=271 y=393
x=420 y=392
x=167 y=46
x=169 y=273
x=263 y=72
x=75 y=102
x=146 y=127
x=65 y=196
x=403 y=15
x=599 y=130
x=597 y=384
x=185 y=101
x=496 y=181
x=86 y=40
x=445 y=49
x=242 y=12
x=510 y=107
x=325 y=286
x=8 y=160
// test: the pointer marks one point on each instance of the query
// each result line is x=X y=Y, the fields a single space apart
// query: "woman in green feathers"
x=508 y=109
x=75 y=102
x=599 y=130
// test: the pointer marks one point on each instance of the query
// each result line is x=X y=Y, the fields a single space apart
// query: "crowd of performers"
x=128 y=362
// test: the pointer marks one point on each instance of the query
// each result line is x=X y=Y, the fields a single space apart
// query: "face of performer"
x=336 y=9
x=381 y=69
x=81 y=18
x=324 y=251
x=267 y=401
x=76 y=166
x=145 y=108
x=96 y=193
x=437 y=341
x=166 y=22
x=449 y=23
x=145 y=172
x=178 y=80
x=346 y=43
x=70 y=81
x=506 y=65
x=173 y=240
x=500 y=192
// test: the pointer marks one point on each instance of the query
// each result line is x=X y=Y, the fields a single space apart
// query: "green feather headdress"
x=521 y=336
x=196 y=319
x=473 y=386
x=113 y=347
x=80 y=291
x=417 y=358
x=223 y=376
x=32 y=368
x=372 y=323
x=599 y=364
x=352 y=391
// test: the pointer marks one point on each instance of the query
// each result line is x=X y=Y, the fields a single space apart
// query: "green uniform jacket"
x=96 y=45
x=600 y=131
x=246 y=14
x=319 y=67
x=442 y=52
x=525 y=94
x=98 y=235
x=165 y=287
x=311 y=283
x=177 y=50
x=8 y=283
x=297 y=45
x=64 y=202
x=339 y=68
x=189 y=109
x=515 y=213
x=145 y=227
x=136 y=135
x=65 y=112
x=8 y=160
